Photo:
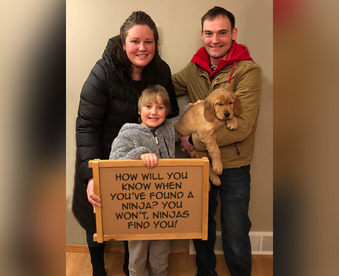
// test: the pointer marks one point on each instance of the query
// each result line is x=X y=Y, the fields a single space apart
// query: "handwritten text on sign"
x=152 y=202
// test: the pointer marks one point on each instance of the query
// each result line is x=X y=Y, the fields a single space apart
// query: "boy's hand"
x=150 y=160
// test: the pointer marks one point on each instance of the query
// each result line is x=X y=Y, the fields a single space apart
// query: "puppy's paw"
x=217 y=169
x=232 y=125
x=215 y=179
x=198 y=154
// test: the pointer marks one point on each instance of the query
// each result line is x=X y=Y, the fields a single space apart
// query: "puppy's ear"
x=208 y=110
x=237 y=109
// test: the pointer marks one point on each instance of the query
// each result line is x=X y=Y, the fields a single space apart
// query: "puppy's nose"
x=227 y=114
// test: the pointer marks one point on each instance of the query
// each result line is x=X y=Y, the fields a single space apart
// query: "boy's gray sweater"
x=134 y=140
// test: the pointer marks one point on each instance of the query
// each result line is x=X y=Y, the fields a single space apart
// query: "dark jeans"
x=94 y=244
x=91 y=242
x=235 y=225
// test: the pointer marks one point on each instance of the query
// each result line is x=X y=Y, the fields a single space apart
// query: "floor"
x=179 y=264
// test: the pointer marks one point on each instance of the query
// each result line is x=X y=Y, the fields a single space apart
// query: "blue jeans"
x=235 y=225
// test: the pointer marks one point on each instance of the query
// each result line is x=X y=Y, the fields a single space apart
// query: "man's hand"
x=186 y=145
x=150 y=160
x=91 y=196
x=193 y=104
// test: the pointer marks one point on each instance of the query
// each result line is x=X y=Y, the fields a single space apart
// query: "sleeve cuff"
x=190 y=140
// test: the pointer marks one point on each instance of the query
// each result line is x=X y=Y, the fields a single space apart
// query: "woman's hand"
x=150 y=160
x=91 y=196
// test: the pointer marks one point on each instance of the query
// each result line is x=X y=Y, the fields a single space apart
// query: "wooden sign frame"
x=195 y=180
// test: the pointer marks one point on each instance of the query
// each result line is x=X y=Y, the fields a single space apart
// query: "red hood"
x=238 y=52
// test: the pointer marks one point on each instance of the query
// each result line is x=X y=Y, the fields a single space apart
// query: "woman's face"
x=140 y=46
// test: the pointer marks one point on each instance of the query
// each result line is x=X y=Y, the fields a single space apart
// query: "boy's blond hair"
x=150 y=95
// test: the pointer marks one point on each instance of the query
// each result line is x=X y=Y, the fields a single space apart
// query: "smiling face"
x=153 y=113
x=140 y=48
x=217 y=37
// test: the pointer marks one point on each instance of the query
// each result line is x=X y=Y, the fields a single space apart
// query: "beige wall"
x=91 y=23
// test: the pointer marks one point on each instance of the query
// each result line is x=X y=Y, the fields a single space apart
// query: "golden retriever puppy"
x=205 y=118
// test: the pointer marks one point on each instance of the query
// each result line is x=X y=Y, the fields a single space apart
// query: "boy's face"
x=217 y=35
x=153 y=114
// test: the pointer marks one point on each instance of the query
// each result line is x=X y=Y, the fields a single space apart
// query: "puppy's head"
x=221 y=104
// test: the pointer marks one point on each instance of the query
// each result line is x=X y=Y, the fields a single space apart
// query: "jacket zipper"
x=237 y=149
x=156 y=140
x=167 y=148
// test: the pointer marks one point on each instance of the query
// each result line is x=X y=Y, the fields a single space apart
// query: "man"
x=224 y=63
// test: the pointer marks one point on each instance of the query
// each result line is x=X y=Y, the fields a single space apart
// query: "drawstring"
x=229 y=80
x=214 y=71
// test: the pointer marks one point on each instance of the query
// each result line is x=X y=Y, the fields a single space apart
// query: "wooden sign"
x=166 y=202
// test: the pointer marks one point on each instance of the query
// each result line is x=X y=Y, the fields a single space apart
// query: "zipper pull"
x=236 y=149
x=155 y=137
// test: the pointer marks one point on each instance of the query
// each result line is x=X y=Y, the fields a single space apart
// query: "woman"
x=108 y=100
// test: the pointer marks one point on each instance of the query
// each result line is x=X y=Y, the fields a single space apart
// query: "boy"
x=150 y=140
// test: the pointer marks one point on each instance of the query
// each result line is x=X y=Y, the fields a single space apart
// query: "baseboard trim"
x=118 y=249
x=261 y=242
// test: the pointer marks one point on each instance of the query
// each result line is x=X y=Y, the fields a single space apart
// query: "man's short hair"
x=214 y=12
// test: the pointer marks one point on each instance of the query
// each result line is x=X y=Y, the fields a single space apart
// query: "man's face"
x=218 y=37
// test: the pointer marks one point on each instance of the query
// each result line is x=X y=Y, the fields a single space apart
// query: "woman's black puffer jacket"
x=107 y=101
